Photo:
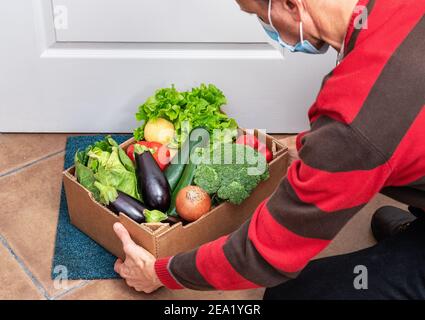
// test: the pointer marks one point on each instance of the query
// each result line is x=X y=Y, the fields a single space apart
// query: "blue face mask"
x=303 y=46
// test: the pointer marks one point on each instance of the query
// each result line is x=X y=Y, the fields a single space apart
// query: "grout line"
x=32 y=277
x=72 y=289
x=30 y=164
x=34 y=280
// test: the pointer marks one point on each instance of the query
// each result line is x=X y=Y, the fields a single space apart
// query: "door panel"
x=48 y=85
x=158 y=21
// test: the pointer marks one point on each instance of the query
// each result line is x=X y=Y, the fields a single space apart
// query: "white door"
x=86 y=65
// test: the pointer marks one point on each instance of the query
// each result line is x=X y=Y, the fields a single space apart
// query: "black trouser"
x=395 y=270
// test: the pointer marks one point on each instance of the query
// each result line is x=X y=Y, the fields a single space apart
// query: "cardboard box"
x=161 y=239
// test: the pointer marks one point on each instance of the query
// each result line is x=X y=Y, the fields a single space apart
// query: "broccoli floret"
x=234 y=180
x=248 y=181
x=228 y=173
x=207 y=178
x=265 y=175
x=234 y=192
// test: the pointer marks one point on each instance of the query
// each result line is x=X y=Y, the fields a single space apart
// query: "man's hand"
x=290 y=142
x=138 y=268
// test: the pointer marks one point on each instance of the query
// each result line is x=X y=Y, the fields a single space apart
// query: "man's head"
x=286 y=16
x=323 y=21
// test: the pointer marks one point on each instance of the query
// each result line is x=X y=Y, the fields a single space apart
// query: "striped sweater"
x=367 y=136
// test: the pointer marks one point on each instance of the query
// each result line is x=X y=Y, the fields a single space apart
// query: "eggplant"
x=172 y=220
x=129 y=206
x=152 y=183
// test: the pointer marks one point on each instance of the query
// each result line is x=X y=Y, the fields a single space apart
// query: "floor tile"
x=118 y=290
x=30 y=204
x=17 y=150
x=21 y=149
x=14 y=282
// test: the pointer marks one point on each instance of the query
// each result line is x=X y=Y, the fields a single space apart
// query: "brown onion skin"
x=192 y=202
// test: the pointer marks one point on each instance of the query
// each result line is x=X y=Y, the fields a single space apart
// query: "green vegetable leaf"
x=111 y=141
x=139 y=149
x=139 y=133
x=123 y=180
x=93 y=164
x=108 y=194
x=108 y=165
x=82 y=156
x=154 y=216
x=114 y=161
x=98 y=154
x=104 y=144
x=85 y=177
x=125 y=160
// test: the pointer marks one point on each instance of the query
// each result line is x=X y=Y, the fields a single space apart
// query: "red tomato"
x=248 y=140
x=266 y=152
x=130 y=152
x=160 y=152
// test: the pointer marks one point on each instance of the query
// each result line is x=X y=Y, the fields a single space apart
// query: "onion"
x=159 y=130
x=192 y=202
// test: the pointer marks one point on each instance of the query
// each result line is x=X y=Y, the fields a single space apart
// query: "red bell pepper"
x=262 y=148
x=248 y=140
x=159 y=151
x=252 y=141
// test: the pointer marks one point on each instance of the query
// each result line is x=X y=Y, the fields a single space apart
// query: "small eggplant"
x=172 y=220
x=131 y=207
x=152 y=183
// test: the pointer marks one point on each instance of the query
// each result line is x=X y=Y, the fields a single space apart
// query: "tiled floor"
x=30 y=182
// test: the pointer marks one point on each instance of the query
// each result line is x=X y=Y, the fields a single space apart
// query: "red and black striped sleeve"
x=320 y=193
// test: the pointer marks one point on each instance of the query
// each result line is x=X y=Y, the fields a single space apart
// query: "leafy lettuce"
x=200 y=107
x=105 y=167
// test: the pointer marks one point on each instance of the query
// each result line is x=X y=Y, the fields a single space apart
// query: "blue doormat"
x=81 y=256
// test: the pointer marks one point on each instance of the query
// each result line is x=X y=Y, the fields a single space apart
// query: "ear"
x=294 y=8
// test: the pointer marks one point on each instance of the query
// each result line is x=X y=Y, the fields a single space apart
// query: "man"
x=367 y=136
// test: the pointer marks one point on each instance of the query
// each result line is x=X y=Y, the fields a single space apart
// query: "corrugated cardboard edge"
x=162 y=240
x=96 y=221
x=222 y=220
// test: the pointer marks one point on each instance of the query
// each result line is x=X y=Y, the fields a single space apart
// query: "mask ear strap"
x=301 y=32
x=270 y=14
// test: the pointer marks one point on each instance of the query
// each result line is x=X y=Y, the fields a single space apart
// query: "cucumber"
x=185 y=180
x=176 y=168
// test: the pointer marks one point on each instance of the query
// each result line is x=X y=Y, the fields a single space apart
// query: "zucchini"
x=177 y=165
x=185 y=180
